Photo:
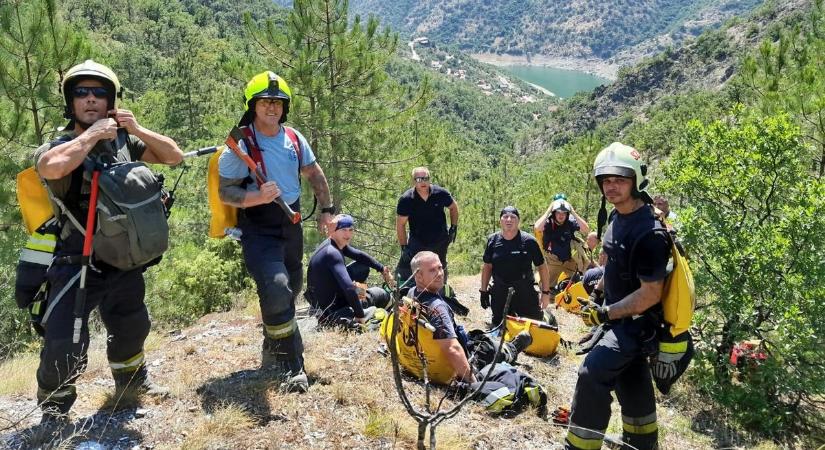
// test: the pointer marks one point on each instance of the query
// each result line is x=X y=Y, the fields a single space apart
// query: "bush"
x=195 y=280
x=754 y=223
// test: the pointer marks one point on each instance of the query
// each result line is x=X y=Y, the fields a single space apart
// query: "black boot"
x=284 y=359
x=138 y=382
x=522 y=340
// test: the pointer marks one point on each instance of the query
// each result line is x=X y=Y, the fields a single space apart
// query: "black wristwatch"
x=328 y=209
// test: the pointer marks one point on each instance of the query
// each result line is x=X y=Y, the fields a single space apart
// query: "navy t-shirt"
x=556 y=238
x=439 y=315
x=591 y=278
x=512 y=259
x=428 y=223
x=623 y=273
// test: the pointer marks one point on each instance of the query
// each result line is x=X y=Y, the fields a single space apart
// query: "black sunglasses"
x=83 y=91
x=420 y=179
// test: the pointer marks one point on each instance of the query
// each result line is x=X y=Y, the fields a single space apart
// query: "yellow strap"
x=673 y=347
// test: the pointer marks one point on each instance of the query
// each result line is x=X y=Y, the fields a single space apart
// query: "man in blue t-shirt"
x=272 y=244
x=422 y=206
x=331 y=285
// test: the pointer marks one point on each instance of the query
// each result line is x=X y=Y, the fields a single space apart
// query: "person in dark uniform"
x=331 y=285
x=91 y=91
x=422 y=206
x=591 y=278
x=632 y=289
x=509 y=259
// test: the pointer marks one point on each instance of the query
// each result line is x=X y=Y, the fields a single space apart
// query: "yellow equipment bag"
x=414 y=338
x=545 y=336
x=568 y=298
x=222 y=216
x=679 y=294
x=33 y=199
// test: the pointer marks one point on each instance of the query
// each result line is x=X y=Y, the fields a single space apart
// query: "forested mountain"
x=704 y=64
x=731 y=124
x=588 y=28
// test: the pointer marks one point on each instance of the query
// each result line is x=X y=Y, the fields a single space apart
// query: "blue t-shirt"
x=280 y=160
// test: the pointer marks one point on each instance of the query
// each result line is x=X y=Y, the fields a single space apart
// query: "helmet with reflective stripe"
x=265 y=85
x=90 y=69
x=621 y=160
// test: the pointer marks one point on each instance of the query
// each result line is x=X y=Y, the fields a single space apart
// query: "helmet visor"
x=620 y=171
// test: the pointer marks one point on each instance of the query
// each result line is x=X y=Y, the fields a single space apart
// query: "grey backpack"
x=131 y=225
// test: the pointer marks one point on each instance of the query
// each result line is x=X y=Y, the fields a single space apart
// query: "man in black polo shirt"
x=423 y=207
x=509 y=259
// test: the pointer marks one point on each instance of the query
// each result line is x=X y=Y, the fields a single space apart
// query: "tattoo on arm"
x=318 y=180
x=231 y=192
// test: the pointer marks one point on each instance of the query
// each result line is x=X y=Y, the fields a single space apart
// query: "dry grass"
x=17 y=375
x=218 y=428
x=220 y=399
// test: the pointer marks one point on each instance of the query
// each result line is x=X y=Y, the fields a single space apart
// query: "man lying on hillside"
x=331 y=285
x=456 y=344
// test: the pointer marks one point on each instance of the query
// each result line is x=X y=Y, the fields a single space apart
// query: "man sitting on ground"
x=331 y=285
x=456 y=345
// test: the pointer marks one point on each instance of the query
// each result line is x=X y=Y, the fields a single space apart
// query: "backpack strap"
x=252 y=147
x=296 y=144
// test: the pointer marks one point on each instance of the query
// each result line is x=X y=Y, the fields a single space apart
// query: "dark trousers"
x=119 y=297
x=403 y=270
x=340 y=312
x=525 y=301
x=617 y=362
x=275 y=263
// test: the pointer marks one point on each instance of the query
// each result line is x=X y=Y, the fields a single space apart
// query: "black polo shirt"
x=428 y=223
x=513 y=259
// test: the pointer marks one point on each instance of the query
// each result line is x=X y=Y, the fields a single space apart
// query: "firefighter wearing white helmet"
x=273 y=245
x=556 y=229
x=101 y=133
x=627 y=301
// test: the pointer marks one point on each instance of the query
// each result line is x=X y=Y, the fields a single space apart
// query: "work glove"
x=591 y=313
x=664 y=366
x=485 y=299
x=453 y=232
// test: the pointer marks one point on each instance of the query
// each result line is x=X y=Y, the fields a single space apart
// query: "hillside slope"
x=219 y=400
x=604 y=29
x=703 y=64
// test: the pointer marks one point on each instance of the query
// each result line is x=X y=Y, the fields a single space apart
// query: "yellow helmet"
x=90 y=69
x=265 y=85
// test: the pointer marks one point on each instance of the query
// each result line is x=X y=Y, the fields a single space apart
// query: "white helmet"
x=90 y=69
x=621 y=160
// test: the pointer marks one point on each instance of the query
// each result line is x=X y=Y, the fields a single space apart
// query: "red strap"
x=252 y=146
x=296 y=144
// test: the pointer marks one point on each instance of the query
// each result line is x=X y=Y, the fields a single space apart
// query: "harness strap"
x=255 y=151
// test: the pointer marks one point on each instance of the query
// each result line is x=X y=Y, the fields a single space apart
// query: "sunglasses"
x=421 y=179
x=267 y=102
x=83 y=91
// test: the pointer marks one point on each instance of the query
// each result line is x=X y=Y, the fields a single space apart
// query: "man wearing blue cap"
x=331 y=285
x=509 y=259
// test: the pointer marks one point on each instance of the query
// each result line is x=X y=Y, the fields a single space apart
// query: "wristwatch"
x=545 y=292
x=328 y=209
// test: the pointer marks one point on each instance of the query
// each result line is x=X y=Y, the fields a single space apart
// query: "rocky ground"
x=220 y=400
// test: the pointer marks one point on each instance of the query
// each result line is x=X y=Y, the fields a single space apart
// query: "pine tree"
x=36 y=48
